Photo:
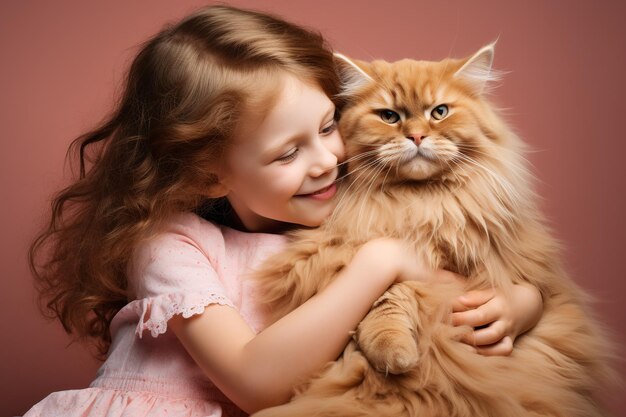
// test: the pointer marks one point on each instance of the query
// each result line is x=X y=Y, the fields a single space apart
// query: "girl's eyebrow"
x=330 y=112
x=269 y=153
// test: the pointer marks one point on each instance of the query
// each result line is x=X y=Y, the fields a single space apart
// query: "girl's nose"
x=324 y=161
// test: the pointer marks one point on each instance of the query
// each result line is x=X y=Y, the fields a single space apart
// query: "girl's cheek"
x=287 y=179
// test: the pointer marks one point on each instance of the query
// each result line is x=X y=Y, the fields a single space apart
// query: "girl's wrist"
x=394 y=260
x=383 y=257
x=530 y=304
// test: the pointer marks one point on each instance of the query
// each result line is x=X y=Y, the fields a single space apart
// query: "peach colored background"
x=61 y=63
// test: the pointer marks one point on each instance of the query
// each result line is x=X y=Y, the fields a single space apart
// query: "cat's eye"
x=389 y=116
x=439 y=112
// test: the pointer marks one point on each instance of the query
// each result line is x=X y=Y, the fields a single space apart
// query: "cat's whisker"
x=357 y=183
x=498 y=178
x=397 y=165
x=345 y=193
x=358 y=156
x=513 y=159
x=382 y=185
x=368 y=144
x=364 y=169
x=360 y=179
x=353 y=171
x=452 y=170
x=458 y=169
x=475 y=149
x=518 y=161
x=365 y=166
x=503 y=192
x=474 y=146
x=480 y=150
x=462 y=161
x=482 y=170
x=368 y=191
x=360 y=170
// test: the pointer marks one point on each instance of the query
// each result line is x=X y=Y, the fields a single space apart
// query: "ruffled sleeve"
x=154 y=312
x=173 y=274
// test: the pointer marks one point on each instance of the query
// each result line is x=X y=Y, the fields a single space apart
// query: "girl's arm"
x=258 y=371
x=500 y=319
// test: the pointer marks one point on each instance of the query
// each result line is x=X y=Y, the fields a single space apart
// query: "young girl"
x=224 y=138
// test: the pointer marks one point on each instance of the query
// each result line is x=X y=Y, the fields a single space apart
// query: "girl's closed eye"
x=288 y=157
x=329 y=128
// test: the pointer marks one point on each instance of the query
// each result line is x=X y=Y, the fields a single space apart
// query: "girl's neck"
x=259 y=225
x=221 y=211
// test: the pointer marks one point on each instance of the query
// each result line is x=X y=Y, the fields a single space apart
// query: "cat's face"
x=417 y=120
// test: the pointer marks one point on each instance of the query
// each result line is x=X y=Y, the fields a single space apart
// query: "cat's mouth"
x=426 y=154
x=421 y=151
x=418 y=162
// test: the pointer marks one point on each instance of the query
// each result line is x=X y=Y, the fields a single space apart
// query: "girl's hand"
x=405 y=263
x=402 y=263
x=497 y=319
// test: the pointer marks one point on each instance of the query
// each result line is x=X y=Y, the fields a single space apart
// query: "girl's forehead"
x=295 y=108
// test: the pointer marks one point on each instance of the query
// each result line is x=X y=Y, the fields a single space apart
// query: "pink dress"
x=191 y=265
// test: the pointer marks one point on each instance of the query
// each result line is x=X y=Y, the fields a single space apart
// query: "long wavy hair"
x=159 y=151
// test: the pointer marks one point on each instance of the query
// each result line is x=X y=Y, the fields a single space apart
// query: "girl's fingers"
x=481 y=316
x=469 y=348
x=503 y=348
x=476 y=298
x=488 y=335
x=458 y=306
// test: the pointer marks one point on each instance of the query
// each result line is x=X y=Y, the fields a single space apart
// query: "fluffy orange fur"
x=453 y=183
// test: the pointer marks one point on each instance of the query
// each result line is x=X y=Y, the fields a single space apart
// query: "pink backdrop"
x=61 y=66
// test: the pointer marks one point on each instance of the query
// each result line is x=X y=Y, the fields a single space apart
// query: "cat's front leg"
x=387 y=335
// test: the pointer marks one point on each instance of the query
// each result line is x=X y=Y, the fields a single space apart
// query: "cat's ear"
x=477 y=69
x=352 y=74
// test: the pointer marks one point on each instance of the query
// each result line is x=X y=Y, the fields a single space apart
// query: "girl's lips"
x=323 y=194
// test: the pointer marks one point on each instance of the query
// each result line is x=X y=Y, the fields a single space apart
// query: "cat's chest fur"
x=445 y=225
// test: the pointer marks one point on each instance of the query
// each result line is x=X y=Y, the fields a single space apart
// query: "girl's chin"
x=310 y=222
x=315 y=221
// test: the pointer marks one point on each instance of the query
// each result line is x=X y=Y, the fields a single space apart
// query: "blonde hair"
x=184 y=94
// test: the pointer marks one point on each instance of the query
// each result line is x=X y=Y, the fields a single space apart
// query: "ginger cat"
x=431 y=162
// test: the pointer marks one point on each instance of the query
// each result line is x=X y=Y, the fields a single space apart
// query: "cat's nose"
x=416 y=137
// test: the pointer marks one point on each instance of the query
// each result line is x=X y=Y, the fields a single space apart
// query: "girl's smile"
x=323 y=194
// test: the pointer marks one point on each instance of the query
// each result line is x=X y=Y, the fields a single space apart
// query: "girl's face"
x=282 y=167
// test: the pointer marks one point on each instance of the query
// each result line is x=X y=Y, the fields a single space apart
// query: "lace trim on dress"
x=155 y=312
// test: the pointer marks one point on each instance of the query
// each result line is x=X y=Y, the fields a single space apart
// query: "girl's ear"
x=218 y=186
x=217 y=190
x=352 y=74
x=477 y=69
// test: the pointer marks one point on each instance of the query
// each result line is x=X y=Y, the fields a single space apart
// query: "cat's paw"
x=390 y=352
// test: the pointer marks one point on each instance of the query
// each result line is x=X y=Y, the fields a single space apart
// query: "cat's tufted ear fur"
x=352 y=74
x=477 y=69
